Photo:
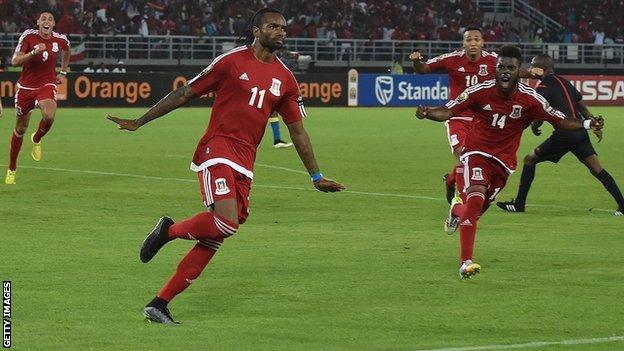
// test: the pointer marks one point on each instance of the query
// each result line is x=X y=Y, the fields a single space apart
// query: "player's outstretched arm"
x=300 y=138
x=418 y=64
x=19 y=58
x=597 y=123
x=167 y=104
x=439 y=114
x=533 y=72
x=588 y=115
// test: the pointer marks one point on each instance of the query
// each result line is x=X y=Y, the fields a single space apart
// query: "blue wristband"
x=316 y=176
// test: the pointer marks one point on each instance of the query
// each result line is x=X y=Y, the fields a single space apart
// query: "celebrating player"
x=37 y=50
x=502 y=108
x=563 y=96
x=251 y=83
x=465 y=68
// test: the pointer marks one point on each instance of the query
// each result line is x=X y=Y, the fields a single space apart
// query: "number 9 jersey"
x=41 y=69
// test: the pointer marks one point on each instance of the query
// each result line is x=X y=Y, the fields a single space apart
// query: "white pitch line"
x=534 y=344
x=404 y=196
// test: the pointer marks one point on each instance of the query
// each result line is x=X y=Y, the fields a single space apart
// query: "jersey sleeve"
x=209 y=79
x=542 y=111
x=291 y=106
x=65 y=43
x=542 y=89
x=439 y=63
x=23 y=44
x=464 y=101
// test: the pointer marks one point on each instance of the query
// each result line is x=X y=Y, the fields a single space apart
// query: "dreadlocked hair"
x=247 y=37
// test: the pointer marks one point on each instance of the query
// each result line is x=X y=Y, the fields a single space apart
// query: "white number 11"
x=254 y=92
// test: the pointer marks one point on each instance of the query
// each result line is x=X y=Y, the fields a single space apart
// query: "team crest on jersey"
x=275 y=87
x=483 y=70
x=221 y=187
x=55 y=47
x=477 y=174
x=516 y=112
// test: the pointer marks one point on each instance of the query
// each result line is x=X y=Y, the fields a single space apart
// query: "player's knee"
x=226 y=227
x=20 y=130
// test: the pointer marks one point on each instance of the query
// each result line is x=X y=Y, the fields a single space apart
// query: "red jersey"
x=41 y=69
x=464 y=73
x=247 y=92
x=499 y=120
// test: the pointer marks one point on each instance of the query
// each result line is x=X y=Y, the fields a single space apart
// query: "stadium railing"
x=159 y=50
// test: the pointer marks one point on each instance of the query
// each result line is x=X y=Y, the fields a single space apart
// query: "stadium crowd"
x=344 y=19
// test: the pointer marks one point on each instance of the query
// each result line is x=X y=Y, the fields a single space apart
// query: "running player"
x=502 y=108
x=37 y=51
x=465 y=68
x=251 y=83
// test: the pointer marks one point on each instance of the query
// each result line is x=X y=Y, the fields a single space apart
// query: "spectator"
x=102 y=68
x=89 y=68
x=120 y=68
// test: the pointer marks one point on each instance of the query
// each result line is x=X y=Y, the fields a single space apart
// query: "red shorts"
x=482 y=170
x=220 y=182
x=26 y=99
x=456 y=130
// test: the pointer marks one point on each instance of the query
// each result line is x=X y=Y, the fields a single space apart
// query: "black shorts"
x=563 y=141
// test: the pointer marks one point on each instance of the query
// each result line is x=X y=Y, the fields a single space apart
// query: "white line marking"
x=534 y=344
x=403 y=196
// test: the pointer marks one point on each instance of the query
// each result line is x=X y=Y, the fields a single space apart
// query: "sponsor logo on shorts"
x=477 y=174
x=221 y=187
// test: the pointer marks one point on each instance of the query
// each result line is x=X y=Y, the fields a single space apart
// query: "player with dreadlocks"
x=250 y=83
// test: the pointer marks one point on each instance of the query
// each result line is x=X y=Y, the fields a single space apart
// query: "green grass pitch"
x=367 y=269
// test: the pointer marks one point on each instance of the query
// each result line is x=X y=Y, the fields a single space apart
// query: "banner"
x=600 y=90
x=402 y=90
x=146 y=89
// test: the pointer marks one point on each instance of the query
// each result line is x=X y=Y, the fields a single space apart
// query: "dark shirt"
x=561 y=95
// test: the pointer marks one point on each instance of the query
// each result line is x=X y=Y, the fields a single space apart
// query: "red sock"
x=44 y=127
x=470 y=212
x=189 y=269
x=16 y=145
x=450 y=178
x=204 y=225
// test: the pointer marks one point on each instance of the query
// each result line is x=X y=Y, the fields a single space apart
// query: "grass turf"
x=365 y=269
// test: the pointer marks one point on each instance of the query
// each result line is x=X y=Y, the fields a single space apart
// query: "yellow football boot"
x=10 y=177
